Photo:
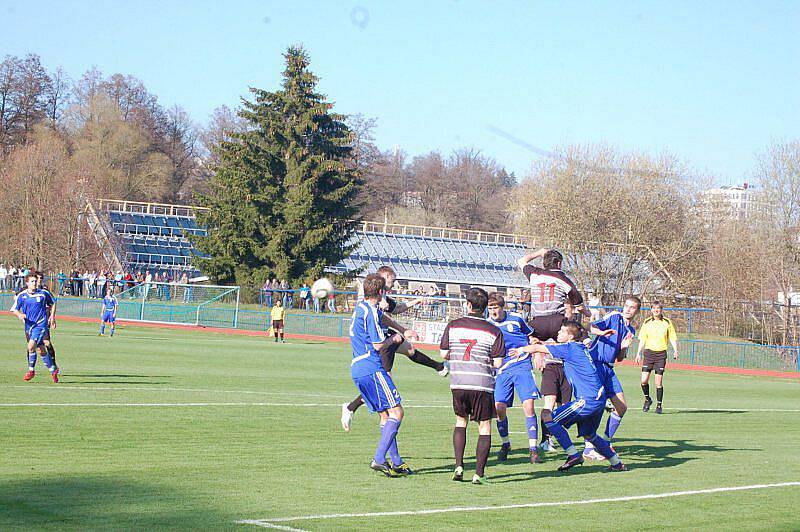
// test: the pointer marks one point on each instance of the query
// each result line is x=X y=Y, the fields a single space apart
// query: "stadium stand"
x=152 y=235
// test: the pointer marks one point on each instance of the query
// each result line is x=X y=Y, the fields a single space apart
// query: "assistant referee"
x=656 y=333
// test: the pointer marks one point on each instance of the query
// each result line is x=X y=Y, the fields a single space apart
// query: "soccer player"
x=109 y=314
x=586 y=409
x=656 y=333
x=372 y=380
x=613 y=335
x=51 y=317
x=391 y=306
x=277 y=315
x=30 y=306
x=474 y=348
x=554 y=297
x=515 y=374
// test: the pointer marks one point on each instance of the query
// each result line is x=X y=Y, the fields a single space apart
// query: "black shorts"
x=546 y=327
x=387 y=354
x=554 y=382
x=277 y=324
x=654 y=361
x=474 y=405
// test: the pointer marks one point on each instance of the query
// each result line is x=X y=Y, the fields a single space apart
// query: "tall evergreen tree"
x=283 y=197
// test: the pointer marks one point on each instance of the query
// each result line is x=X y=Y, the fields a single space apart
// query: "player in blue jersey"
x=608 y=347
x=371 y=378
x=109 y=313
x=32 y=307
x=586 y=408
x=516 y=374
x=47 y=340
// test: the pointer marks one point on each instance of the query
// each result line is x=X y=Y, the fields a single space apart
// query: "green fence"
x=692 y=351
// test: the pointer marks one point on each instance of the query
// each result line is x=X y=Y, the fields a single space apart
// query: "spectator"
x=305 y=296
x=3 y=275
x=166 y=279
x=594 y=303
x=332 y=303
x=148 y=283
x=275 y=293
x=101 y=284
x=62 y=279
x=316 y=304
x=91 y=284
x=284 y=292
x=266 y=294
x=187 y=290
x=129 y=281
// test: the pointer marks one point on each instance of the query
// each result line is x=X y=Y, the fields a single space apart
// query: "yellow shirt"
x=655 y=334
x=277 y=313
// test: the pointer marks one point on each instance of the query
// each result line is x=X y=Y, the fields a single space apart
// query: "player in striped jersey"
x=474 y=348
x=516 y=374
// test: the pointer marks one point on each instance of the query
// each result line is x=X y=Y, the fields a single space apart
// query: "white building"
x=733 y=202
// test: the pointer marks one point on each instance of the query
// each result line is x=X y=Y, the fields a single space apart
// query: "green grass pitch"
x=174 y=429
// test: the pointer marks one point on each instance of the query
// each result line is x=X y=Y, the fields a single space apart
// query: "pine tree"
x=283 y=197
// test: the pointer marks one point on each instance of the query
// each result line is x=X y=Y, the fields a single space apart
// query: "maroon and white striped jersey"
x=550 y=290
x=473 y=344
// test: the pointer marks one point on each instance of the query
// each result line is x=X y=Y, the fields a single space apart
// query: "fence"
x=220 y=311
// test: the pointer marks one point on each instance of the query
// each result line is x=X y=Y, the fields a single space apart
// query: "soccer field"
x=161 y=428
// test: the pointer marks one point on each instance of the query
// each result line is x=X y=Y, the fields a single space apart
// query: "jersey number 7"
x=470 y=344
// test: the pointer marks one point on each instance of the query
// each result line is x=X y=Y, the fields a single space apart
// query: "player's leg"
x=503 y=399
x=418 y=357
x=558 y=422
x=615 y=417
x=483 y=447
x=587 y=427
x=103 y=324
x=459 y=444
x=647 y=367
x=385 y=399
x=31 y=351
x=659 y=378
x=527 y=391
x=113 y=321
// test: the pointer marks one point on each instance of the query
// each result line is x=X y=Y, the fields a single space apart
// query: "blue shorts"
x=37 y=333
x=610 y=380
x=587 y=414
x=378 y=391
x=108 y=316
x=520 y=380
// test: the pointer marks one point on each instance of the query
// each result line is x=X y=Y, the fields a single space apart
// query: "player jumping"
x=31 y=307
x=516 y=373
x=553 y=299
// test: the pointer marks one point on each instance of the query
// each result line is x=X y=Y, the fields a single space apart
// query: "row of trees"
x=284 y=173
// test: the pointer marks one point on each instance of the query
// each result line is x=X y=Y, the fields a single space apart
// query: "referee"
x=655 y=334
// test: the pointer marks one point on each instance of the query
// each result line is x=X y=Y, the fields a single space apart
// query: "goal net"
x=184 y=304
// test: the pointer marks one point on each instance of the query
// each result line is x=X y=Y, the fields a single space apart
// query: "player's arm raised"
x=528 y=257
x=388 y=322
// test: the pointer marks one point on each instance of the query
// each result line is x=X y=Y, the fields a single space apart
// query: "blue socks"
x=388 y=435
x=103 y=328
x=112 y=331
x=31 y=361
x=48 y=362
x=502 y=429
x=394 y=454
x=562 y=436
x=603 y=447
x=612 y=425
x=533 y=431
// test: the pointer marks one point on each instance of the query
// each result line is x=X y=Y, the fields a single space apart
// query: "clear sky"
x=712 y=82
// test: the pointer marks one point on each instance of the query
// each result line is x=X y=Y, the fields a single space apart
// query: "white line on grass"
x=67 y=386
x=273 y=521
x=322 y=405
x=264 y=524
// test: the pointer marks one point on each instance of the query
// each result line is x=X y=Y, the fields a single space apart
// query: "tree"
x=282 y=199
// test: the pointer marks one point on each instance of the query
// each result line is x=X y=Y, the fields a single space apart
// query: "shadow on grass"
x=118 y=376
x=101 y=502
x=637 y=453
x=684 y=412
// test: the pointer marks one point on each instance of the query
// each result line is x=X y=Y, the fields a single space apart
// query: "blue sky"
x=712 y=82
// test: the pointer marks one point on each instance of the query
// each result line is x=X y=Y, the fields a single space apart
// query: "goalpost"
x=182 y=304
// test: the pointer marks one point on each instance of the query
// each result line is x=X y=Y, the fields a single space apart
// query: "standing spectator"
x=3 y=274
x=266 y=294
x=129 y=281
x=62 y=278
x=305 y=296
x=332 y=303
x=316 y=303
x=275 y=293
x=148 y=282
x=101 y=284
x=187 y=290
x=289 y=296
x=118 y=280
x=594 y=303
x=284 y=293
x=167 y=279
x=91 y=284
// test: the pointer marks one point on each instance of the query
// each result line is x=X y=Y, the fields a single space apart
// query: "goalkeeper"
x=391 y=306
